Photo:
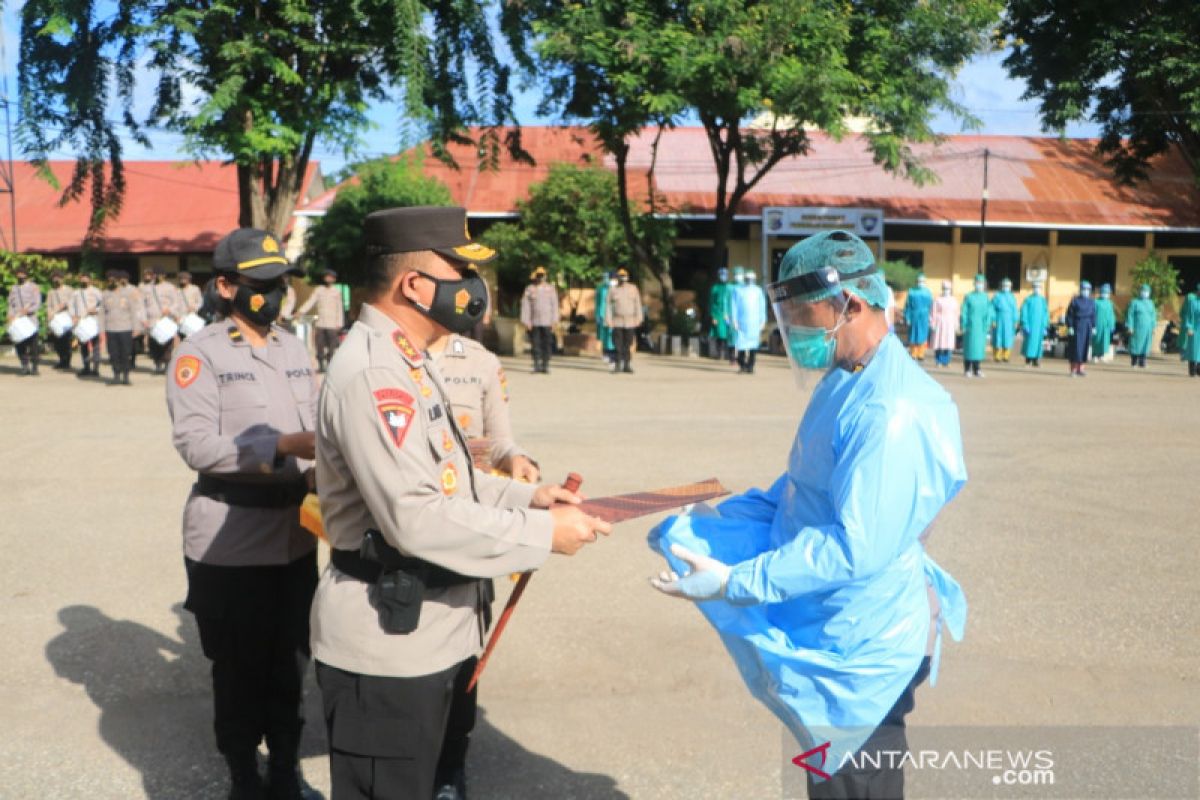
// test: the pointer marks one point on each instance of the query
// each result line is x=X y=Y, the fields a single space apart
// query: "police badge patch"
x=395 y=409
x=187 y=369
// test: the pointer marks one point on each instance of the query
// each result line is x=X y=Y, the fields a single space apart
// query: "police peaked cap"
x=442 y=229
x=253 y=253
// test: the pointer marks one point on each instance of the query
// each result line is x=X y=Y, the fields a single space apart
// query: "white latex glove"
x=705 y=581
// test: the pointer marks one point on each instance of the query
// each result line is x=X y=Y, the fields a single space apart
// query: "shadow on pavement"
x=155 y=699
x=499 y=768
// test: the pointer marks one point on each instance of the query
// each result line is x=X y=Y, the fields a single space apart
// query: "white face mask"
x=612 y=284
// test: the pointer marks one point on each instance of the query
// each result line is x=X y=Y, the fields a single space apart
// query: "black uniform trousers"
x=62 y=348
x=253 y=625
x=869 y=783
x=30 y=350
x=327 y=341
x=385 y=734
x=623 y=339
x=120 y=350
x=89 y=351
x=541 y=338
x=160 y=353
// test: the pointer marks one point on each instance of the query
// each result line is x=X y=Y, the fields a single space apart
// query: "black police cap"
x=253 y=253
x=441 y=229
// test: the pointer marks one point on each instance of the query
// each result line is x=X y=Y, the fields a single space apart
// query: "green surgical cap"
x=846 y=253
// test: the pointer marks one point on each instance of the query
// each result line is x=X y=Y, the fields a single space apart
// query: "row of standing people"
x=1091 y=323
x=121 y=316
x=738 y=314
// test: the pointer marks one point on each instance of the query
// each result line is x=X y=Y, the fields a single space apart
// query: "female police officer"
x=242 y=399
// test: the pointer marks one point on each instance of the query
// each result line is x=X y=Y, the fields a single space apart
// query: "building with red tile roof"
x=173 y=213
x=1053 y=204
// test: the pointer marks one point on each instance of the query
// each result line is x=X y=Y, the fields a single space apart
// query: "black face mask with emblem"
x=457 y=305
x=260 y=307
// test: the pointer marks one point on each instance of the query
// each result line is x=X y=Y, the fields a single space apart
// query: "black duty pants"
x=328 y=340
x=90 y=351
x=30 y=350
x=869 y=783
x=253 y=625
x=623 y=339
x=541 y=340
x=160 y=353
x=385 y=734
x=120 y=350
x=459 y=724
x=62 y=348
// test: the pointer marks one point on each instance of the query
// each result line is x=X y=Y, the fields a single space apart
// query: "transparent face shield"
x=809 y=310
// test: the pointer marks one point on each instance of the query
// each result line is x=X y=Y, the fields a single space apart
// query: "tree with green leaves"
x=626 y=66
x=1131 y=68
x=570 y=224
x=1162 y=278
x=258 y=82
x=335 y=240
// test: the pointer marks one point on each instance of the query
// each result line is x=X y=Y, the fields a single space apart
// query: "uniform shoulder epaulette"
x=234 y=334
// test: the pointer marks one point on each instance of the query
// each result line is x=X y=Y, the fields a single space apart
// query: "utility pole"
x=983 y=214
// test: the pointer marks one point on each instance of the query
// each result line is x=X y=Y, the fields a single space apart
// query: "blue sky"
x=982 y=86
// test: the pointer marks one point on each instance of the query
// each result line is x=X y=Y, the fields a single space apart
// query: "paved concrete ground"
x=1076 y=542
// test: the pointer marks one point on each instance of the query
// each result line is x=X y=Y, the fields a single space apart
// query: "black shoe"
x=125 y=379
x=35 y=370
x=627 y=368
x=284 y=784
x=24 y=370
x=244 y=782
x=452 y=787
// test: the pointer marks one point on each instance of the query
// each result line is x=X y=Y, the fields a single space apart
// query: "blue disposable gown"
x=1106 y=323
x=1081 y=316
x=1140 y=319
x=916 y=314
x=1034 y=318
x=1189 y=342
x=1004 y=315
x=603 y=332
x=827 y=613
x=976 y=321
x=748 y=315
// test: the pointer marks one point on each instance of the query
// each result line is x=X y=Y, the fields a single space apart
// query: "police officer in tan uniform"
x=162 y=300
x=623 y=314
x=242 y=397
x=120 y=320
x=331 y=317
x=399 y=614
x=189 y=293
x=85 y=302
x=58 y=299
x=24 y=299
x=539 y=315
x=478 y=393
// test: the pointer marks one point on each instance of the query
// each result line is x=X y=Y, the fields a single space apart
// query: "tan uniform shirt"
x=85 y=302
x=58 y=299
x=539 y=306
x=478 y=393
x=229 y=403
x=624 y=309
x=162 y=300
x=192 y=297
x=24 y=299
x=328 y=300
x=121 y=310
x=389 y=457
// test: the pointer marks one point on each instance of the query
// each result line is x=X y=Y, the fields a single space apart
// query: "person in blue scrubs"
x=820 y=586
x=916 y=315
x=747 y=316
x=1004 y=321
x=1034 y=318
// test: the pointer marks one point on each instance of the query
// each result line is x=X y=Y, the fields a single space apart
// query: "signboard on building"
x=807 y=220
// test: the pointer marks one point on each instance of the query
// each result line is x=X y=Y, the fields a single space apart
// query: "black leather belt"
x=252 y=495
x=433 y=576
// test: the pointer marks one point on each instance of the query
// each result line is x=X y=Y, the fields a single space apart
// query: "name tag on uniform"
x=435 y=413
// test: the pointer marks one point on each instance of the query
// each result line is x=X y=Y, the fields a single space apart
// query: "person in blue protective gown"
x=976 y=322
x=1140 y=319
x=747 y=317
x=1189 y=342
x=1106 y=323
x=603 y=332
x=917 y=307
x=820 y=586
x=1034 y=317
x=1004 y=321
x=1081 y=320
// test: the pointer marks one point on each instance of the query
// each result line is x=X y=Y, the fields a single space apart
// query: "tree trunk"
x=643 y=255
